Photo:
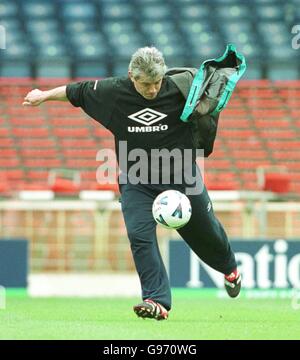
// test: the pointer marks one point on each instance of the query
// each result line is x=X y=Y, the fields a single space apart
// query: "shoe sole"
x=233 y=292
x=145 y=313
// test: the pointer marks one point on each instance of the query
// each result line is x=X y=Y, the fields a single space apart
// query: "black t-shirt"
x=143 y=124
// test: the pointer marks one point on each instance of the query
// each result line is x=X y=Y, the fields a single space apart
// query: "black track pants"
x=203 y=233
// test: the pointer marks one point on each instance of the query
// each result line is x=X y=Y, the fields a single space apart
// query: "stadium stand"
x=254 y=132
x=95 y=38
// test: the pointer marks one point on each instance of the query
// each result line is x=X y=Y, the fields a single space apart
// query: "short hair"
x=148 y=61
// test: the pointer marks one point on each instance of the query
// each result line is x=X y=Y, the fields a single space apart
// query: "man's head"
x=146 y=70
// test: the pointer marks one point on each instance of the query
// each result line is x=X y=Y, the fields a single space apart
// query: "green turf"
x=195 y=315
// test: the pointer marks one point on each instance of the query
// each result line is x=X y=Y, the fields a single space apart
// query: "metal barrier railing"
x=91 y=236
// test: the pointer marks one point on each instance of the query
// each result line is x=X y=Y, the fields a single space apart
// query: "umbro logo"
x=147 y=116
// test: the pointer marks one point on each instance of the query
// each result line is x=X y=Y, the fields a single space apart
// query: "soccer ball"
x=172 y=209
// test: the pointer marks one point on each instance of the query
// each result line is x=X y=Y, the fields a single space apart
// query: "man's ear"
x=130 y=75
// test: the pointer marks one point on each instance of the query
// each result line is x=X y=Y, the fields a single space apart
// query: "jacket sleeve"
x=95 y=97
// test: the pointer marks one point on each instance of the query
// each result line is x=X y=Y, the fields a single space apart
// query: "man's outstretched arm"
x=36 y=96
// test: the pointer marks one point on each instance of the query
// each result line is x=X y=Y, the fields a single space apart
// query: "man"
x=144 y=110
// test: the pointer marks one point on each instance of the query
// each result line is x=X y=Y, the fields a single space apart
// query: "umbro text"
x=147 y=128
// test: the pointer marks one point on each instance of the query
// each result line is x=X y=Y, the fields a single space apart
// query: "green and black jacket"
x=207 y=92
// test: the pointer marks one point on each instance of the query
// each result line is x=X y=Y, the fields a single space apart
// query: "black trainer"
x=233 y=283
x=151 y=309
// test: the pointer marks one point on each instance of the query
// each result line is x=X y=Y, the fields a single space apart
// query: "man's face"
x=146 y=87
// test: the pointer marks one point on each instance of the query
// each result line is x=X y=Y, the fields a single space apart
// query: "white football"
x=172 y=209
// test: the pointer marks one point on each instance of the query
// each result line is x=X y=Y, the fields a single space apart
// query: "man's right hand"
x=34 y=98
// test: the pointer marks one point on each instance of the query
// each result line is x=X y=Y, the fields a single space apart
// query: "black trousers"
x=203 y=233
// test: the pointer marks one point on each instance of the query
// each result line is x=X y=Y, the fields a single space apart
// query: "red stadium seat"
x=6 y=143
x=80 y=153
x=272 y=133
x=42 y=163
x=235 y=113
x=69 y=121
x=278 y=183
x=295 y=113
x=269 y=113
x=213 y=163
x=295 y=188
x=19 y=111
x=237 y=133
x=234 y=123
x=88 y=175
x=83 y=143
x=102 y=132
x=39 y=153
x=9 y=179
x=4 y=132
x=65 y=186
x=257 y=83
x=27 y=121
x=255 y=92
x=65 y=111
x=26 y=185
x=249 y=154
x=265 y=103
x=30 y=132
x=72 y=132
x=274 y=124
x=107 y=144
x=4 y=187
x=36 y=143
x=292 y=166
x=220 y=153
x=222 y=181
x=279 y=145
x=250 y=164
x=37 y=175
x=82 y=163
x=248 y=176
x=286 y=155
x=252 y=143
x=9 y=163
x=8 y=152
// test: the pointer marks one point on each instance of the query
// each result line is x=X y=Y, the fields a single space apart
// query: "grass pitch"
x=196 y=315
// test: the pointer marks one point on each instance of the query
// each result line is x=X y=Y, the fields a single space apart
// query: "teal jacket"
x=208 y=91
